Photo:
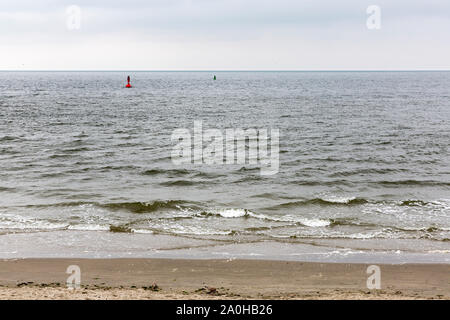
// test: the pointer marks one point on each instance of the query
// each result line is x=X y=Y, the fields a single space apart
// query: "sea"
x=363 y=175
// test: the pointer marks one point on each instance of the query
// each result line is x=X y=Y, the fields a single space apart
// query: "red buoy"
x=128 y=84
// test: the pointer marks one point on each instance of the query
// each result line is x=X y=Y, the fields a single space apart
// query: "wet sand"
x=218 y=279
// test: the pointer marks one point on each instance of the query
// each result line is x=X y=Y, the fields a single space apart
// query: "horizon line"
x=237 y=70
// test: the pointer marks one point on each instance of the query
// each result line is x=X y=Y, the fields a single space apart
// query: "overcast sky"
x=224 y=35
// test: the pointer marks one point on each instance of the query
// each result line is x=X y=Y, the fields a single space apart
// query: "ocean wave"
x=233 y=213
x=315 y=222
x=351 y=201
x=134 y=207
x=444 y=203
x=15 y=222
x=378 y=234
x=7 y=189
x=179 y=183
x=331 y=201
x=249 y=169
x=143 y=231
x=189 y=230
x=244 y=213
x=175 y=172
x=120 y=229
x=411 y=182
x=381 y=183
x=341 y=200
x=322 y=183
x=207 y=175
x=439 y=251
x=427 y=229
x=184 y=217
x=88 y=227
x=413 y=203
x=8 y=138
x=144 y=207
x=365 y=171
x=227 y=213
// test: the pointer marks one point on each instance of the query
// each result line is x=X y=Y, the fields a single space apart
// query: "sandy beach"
x=217 y=279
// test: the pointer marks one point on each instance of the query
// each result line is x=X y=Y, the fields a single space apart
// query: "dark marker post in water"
x=215 y=77
x=128 y=84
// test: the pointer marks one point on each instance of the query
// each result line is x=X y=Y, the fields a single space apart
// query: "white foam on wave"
x=444 y=203
x=142 y=231
x=236 y=213
x=439 y=251
x=239 y=213
x=88 y=227
x=180 y=229
x=9 y=222
x=231 y=213
x=308 y=222
x=314 y=222
x=336 y=199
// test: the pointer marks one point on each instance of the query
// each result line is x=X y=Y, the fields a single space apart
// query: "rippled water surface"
x=363 y=156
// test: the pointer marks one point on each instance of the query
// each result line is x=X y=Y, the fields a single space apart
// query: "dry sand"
x=217 y=279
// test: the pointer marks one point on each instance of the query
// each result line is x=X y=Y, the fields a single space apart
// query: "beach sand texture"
x=217 y=279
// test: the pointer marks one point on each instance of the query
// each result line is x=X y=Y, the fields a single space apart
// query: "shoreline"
x=107 y=245
x=187 y=279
